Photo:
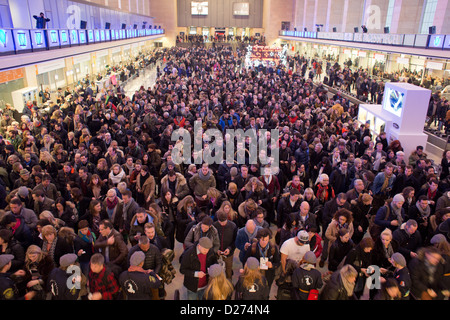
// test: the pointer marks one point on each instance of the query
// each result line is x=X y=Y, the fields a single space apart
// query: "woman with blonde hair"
x=341 y=285
x=252 y=285
x=227 y=208
x=38 y=266
x=55 y=222
x=102 y=170
x=219 y=287
x=116 y=175
x=47 y=142
x=48 y=163
x=215 y=200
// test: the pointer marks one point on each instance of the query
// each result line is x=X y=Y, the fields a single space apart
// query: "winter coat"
x=153 y=258
x=118 y=251
x=195 y=233
x=181 y=187
x=334 y=289
x=190 y=264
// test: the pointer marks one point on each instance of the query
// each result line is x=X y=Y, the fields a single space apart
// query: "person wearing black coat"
x=153 y=258
x=67 y=242
x=360 y=257
x=227 y=231
x=339 y=249
x=258 y=290
x=23 y=234
x=306 y=277
x=288 y=204
x=195 y=262
x=361 y=209
x=341 y=285
x=340 y=178
x=10 y=246
x=408 y=239
x=427 y=275
x=385 y=246
x=186 y=214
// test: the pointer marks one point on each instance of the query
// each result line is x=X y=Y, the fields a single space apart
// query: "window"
x=428 y=15
x=390 y=13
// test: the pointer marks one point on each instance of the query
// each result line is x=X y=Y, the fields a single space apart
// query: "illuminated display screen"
x=241 y=8
x=394 y=102
x=199 y=8
x=265 y=55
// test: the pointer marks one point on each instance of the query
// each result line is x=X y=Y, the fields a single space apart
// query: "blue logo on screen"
x=91 y=36
x=53 y=36
x=437 y=41
x=38 y=38
x=22 y=39
x=3 y=39
x=64 y=36
x=74 y=35
x=82 y=38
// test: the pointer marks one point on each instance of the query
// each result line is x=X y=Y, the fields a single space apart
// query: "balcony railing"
x=428 y=41
x=16 y=41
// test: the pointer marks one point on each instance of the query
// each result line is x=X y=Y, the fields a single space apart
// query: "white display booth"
x=402 y=115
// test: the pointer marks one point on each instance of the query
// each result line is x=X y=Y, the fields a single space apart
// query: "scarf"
x=116 y=178
x=386 y=182
x=398 y=214
x=389 y=251
x=430 y=194
x=204 y=177
x=111 y=204
x=307 y=266
x=89 y=237
x=423 y=213
x=250 y=236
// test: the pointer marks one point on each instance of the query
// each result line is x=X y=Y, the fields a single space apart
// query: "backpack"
x=167 y=272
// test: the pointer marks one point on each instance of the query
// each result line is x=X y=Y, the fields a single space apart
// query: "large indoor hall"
x=245 y=152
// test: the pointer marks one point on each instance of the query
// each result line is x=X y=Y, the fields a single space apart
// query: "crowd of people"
x=219 y=37
x=92 y=183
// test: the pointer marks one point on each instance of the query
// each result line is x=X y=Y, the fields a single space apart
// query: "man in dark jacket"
x=194 y=265
x=408 y=239
x=340 y=178
x=306 y=278
x=287 y=205
x=57 y=280
x=111 y=245
x=41 y=21
x=227 y=231
x=427 y=275
x=153 y=258
x=137 y=284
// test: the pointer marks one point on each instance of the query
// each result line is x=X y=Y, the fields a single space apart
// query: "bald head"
x=250 y=226
x=304 y=208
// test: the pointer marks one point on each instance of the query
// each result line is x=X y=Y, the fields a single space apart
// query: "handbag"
x=313 y=294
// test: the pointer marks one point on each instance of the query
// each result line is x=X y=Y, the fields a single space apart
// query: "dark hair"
x=422 y=197
x=16 y=201
x=262 y=233
x=107 y=224
x=38 y=193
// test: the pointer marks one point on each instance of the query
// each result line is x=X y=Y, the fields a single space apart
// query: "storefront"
x=81 y=66
x=51 y=75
